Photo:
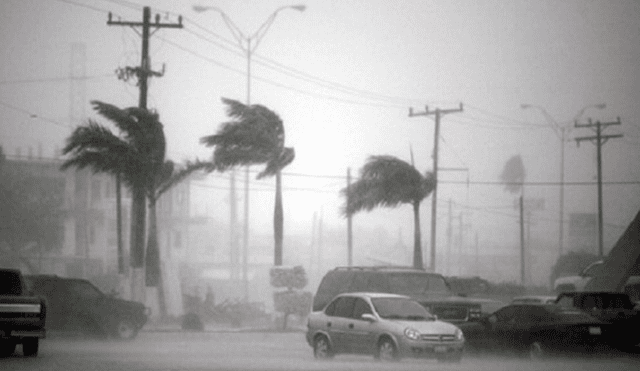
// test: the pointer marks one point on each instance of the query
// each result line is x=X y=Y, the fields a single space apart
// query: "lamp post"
x=561 y=132
x=248 y=44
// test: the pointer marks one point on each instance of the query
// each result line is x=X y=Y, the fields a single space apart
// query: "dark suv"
x=76 y=305
x=429 y=289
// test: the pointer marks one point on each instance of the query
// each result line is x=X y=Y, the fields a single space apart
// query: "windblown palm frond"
x=176 y=175
x=276 y=164
x=256 y=136
x=386 y=181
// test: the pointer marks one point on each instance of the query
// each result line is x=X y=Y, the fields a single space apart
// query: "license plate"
x=595 y=330
x=440 y=349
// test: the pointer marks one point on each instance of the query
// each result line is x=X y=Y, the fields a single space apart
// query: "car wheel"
x=386 y=350
x=125 y=329
x=7 y=348
x=536 y=351
x=30 y=347
x=321 y=348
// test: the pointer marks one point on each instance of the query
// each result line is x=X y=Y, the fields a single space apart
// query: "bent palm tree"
x=128 y=156
x=255 y=136
x=139 y=157
x=388 y=181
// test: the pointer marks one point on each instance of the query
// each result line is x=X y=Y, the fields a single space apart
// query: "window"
x=505 y=314
x=344 y=306
x=360 y=307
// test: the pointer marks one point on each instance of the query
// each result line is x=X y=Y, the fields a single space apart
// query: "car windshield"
x=401 y=308
x=417 y=283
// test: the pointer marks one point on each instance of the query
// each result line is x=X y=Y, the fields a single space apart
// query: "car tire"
x=124 y=329
x=30 y=347
x=386 y=351
x=7 y=347
x=321 y=348
x=536 y=351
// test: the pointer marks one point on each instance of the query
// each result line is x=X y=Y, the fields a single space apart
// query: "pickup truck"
x=22 y=316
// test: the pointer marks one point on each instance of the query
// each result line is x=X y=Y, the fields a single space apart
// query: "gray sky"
x=345 y=75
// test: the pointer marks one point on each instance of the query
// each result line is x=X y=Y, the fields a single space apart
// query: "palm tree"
x=254 y=136
x=388 y=181
x=127 y=156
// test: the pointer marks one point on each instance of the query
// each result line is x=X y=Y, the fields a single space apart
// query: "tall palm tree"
x=388 y=181
x=133 y=155
x=254 y=136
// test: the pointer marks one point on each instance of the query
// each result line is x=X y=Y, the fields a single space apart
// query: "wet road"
x=174 y=351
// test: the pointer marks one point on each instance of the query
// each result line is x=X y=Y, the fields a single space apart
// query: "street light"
x=253 y=40
x=561 y=131
x=252 y=43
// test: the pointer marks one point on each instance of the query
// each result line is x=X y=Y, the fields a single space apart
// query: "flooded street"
x=251 y=351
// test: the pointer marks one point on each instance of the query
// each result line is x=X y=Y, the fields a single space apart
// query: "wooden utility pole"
x=142 y=73
x=598 y=140
x=438 y=114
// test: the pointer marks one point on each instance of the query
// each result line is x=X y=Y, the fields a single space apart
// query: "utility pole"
x=598 y=140
x=142 y=73
x=438 y=114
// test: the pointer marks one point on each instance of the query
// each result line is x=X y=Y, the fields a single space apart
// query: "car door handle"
x=328 y=324
x=351 y=325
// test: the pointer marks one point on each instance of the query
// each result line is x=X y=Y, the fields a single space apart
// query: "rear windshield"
x=417 y=283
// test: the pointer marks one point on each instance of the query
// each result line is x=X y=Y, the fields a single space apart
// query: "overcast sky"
x=342 y=75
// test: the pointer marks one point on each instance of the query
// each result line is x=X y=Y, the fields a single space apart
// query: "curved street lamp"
x=251 y=41
x=251 y=45
x=561 y=131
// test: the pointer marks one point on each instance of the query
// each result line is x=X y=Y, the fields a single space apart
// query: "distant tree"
x=254 y=136
x=513 y=174
x=388 y=181
x=292 y=300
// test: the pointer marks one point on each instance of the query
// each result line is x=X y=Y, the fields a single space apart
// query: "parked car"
x=76 y=305
x=429 y=289
x=612 y=307
x=540 y=330
x=22 y=315
x=386 y=326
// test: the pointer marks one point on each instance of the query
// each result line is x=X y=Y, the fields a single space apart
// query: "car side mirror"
x=368 y=317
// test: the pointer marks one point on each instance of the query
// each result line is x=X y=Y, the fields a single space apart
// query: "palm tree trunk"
x=417 y=243
x=153 y=273
x=138 y=220
x=278 y=221
x=121 y=264
x=152 y=261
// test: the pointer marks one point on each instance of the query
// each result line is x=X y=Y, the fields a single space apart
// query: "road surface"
x=177 y=351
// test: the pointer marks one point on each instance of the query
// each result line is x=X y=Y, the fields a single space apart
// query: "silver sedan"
x=386 y=326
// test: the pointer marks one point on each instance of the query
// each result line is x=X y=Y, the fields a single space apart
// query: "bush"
x=290 y=301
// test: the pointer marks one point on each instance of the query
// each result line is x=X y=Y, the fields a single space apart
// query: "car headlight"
x=459 y=335
x=412 y=333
